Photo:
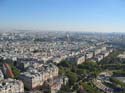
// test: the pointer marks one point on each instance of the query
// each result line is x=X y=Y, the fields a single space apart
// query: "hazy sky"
x=67 y=15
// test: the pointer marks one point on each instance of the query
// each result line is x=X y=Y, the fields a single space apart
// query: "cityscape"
x=52 y=62
x=62 y=46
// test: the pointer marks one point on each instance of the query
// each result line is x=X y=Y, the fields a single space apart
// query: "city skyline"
x=63 y=15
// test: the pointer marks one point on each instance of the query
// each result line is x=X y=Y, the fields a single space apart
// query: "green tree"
x=64 y=64
x=72 y=77
x=15 y=71
x=117 y=82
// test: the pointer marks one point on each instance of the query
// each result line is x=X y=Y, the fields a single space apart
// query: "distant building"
x=98 y=58
x=97 y=51
x=105 y=53
x=89 y=55
x=57 y=60
x=79 y=59
x=23 y=64
x=55 y=84
x=35 y=77
x=11 y=86
x=110 y=50
x=1 y=75
x=103 y=48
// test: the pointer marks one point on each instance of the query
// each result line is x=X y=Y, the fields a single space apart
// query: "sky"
x=63 y=15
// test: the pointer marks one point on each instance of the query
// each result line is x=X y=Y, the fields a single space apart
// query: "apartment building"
x=11 y=86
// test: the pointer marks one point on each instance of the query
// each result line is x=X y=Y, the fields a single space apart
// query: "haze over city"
x=63 y=15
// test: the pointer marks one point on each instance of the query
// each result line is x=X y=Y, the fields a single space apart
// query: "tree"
x=64 y=64
x=15 y=71
x=72 y=77
x=89 y=88
x=81 y=71
x=117 y=82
